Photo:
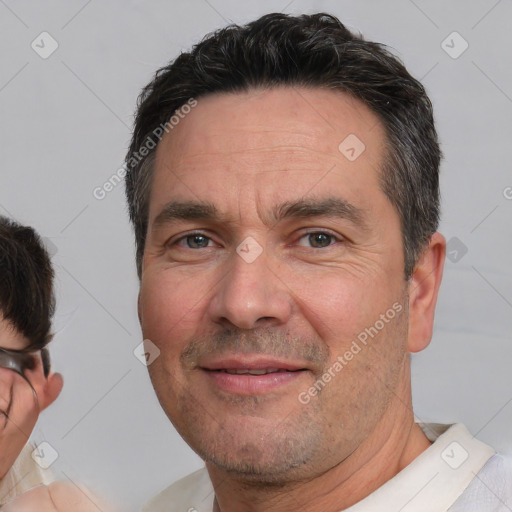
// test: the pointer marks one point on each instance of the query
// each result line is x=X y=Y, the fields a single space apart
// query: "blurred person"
x=283 y=185
x=27 y=384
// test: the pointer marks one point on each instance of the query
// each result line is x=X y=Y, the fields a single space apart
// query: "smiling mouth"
x=252 y=376
x=248 y=371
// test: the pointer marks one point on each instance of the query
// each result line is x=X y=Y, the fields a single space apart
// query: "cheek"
x=170 y=308
x=340 y=306
x=17 y=396
x=334 y=304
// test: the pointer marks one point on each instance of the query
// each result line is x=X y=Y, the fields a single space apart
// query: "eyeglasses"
x=18 y=362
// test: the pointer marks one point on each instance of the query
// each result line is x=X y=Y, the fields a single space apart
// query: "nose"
x=251 y=294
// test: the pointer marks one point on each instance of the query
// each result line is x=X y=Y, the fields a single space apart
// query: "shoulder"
x=194 y=493
x=39 y=498
x=56 y=497
x=498 y=471
x=490 y=489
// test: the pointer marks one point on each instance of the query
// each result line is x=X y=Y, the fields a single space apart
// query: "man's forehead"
x=315 y=118
x=270 y=147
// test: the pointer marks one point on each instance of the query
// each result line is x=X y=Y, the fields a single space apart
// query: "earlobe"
x=423 y=291
x=51 y=391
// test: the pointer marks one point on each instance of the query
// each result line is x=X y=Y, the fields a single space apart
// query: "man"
x=282 y=181
x=27 y=386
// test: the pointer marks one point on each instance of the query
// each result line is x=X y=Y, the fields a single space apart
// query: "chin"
x=254 y=471
x=254 y=452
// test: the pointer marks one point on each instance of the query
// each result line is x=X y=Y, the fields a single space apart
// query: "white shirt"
x=23 y=475
x=457 y=473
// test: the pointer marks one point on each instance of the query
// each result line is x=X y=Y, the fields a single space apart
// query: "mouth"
x=252 y=375
x=248 y=371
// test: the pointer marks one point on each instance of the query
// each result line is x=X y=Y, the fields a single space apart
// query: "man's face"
x=270 y=249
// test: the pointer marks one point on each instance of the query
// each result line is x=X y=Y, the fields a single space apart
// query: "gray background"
x=65 y=127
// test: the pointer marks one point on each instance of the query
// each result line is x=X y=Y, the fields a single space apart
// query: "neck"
x=394 y=443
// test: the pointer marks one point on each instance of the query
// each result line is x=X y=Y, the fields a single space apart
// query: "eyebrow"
x=185 y=210
x=302 y=208
x=328 y=207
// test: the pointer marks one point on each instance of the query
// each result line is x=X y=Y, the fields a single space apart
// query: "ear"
x=423 y=290
x=51 y=390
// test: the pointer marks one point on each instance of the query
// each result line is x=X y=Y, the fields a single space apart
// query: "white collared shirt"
x=457 y=473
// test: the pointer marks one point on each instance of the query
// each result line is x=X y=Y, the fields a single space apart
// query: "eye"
x=317 y=239
x=194 y=241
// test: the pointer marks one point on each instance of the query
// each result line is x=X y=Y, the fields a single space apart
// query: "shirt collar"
x=435 y=479
x=430 y=483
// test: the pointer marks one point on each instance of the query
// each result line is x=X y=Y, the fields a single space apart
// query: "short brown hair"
x=27 y=300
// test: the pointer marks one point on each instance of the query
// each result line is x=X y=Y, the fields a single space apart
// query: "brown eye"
x=319 y=239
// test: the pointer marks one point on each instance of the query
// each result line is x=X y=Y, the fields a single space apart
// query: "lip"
x=251 y=363
x=247 y=384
